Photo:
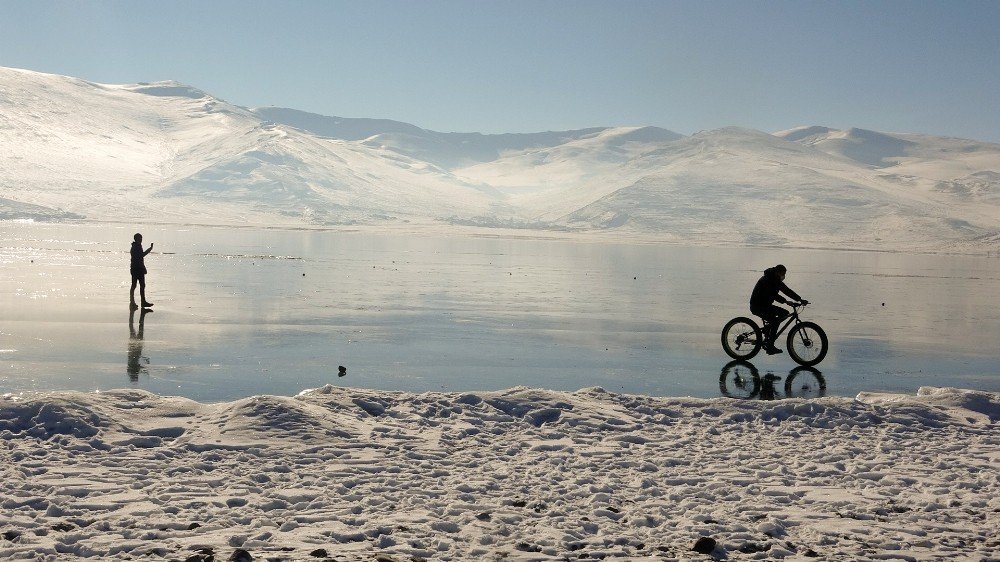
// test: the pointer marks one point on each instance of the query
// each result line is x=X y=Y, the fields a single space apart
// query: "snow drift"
x=522 y=474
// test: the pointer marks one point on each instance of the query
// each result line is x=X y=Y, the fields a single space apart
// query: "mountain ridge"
x=73 y=148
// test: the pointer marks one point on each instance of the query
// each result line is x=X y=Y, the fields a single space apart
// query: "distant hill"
x=169 y=152
x=447 y=150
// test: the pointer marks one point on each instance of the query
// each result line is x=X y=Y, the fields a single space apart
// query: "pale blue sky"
x=512 y=66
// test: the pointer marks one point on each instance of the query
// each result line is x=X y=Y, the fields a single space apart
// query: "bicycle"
x=740 y=379
x=807 y=342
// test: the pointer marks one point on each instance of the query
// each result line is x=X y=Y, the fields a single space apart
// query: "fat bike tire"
x=805 y=382
x=741 y=338
x=739 y=379
x=807 y=344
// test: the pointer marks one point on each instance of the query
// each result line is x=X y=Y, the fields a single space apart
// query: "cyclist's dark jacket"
x=766 y=290
x=137 y=267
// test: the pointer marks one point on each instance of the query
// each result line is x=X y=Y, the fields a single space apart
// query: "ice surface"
x=246 y=311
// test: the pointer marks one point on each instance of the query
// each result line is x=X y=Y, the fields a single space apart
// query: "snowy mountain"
x=167 y=152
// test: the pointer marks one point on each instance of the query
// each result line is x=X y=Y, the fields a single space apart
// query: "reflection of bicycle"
x=807 y=343
x=740 y=379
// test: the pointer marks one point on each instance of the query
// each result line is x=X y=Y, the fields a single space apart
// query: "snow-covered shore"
x=523 y=474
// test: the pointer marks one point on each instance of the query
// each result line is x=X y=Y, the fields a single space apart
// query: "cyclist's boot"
x=771 y=350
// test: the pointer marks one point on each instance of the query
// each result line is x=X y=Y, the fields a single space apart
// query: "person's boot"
x=146 y=304
x=771 y=350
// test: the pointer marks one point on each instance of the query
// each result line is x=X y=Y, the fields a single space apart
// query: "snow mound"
x=519 y=474
x=968 y=405
x=45 y=419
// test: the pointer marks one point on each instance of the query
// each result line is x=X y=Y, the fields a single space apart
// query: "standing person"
x=138 y=269
x=765 y=292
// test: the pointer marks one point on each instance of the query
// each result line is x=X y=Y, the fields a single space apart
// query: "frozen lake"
x=243 y=311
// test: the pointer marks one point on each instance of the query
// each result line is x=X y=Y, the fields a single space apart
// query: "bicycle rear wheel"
x=741 y=338
x=807 y=344
x=739 y=379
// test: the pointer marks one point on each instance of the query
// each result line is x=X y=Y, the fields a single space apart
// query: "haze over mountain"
x=167 y=152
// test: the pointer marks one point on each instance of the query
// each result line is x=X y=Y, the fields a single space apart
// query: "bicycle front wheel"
x=741 y=338
x=807 y=344
x=805 y=382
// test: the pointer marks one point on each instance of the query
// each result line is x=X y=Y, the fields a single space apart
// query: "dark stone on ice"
x=483 y=517
x=193 y=526
x=812 y=553
x=525 y=547
x=704 y=545
x=518 y=503
x=240 y=555
x=318 y=553
x=341 y=371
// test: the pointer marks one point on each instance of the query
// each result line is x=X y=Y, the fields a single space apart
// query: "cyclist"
x=765 y=292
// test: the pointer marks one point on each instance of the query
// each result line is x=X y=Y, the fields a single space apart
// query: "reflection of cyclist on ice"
x=765 y=292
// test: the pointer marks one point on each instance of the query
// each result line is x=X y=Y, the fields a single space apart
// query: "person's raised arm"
x=149 y=250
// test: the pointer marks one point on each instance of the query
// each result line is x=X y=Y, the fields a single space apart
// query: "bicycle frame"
x=807 y=342
x=793 y=318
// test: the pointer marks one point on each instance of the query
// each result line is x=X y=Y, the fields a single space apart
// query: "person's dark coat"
x=138 y=267
x=765 y=292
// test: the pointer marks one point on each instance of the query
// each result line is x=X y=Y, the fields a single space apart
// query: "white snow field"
x=522 y=474
x=170 y=153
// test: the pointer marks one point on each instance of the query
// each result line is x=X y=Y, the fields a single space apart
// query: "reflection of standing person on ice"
x=134 y=364
x=138 y=269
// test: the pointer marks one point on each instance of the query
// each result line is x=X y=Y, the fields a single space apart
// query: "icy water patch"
x=240 y=312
